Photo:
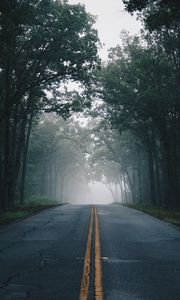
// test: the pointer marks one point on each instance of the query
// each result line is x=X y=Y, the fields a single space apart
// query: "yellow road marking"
x=98 y=270
x=87 y=261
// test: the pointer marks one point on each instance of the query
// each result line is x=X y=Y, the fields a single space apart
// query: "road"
x=54 y=256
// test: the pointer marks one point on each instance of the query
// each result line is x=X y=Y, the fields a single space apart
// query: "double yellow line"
x=87 y=261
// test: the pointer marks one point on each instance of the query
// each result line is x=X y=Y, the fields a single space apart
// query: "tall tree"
x=42 y=43
x=56 y=160
x=142 y=95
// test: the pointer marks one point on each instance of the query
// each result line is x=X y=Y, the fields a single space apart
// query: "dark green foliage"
x=25 y=211
x=56 y=164
x=161 y=17
x=171 y=216
x=42 y=43
x=156 y=13
x=141 y=93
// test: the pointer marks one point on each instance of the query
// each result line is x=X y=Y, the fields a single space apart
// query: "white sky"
x=111 y=20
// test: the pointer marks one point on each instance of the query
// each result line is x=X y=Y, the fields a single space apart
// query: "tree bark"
x=24 y=160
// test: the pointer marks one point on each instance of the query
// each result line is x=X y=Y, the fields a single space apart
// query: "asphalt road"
x=42 y=257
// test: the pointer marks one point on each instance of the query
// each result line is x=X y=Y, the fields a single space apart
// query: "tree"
x=157 y=13
x=56 y=160
x=42 y=43
x=161 y=19
x=142 y=95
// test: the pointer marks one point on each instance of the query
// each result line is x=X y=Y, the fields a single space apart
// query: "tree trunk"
x=172 y=182
x=131 y=186
x=158 y=184
x=24 y=161
x=125 y=189
x=151 y=147
x=139 y=176
x=5 y=184
x=121 y=189
x=108 y=185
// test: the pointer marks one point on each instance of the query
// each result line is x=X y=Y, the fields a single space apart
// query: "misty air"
x=89 y=149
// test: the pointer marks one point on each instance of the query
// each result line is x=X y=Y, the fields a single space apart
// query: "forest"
x=67 y=118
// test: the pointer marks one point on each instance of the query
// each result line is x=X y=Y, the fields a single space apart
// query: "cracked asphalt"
x=42 y=257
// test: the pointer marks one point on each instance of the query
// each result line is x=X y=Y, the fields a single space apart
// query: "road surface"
x=79 y=252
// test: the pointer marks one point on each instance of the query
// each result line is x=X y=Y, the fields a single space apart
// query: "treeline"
x=42 y=43
x=140 y=85
x=56 y=164
x=134 y=144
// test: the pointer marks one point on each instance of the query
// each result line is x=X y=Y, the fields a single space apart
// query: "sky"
x=111 y=20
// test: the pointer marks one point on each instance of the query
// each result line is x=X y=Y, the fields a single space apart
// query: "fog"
x=97 y=193
x=69 y=164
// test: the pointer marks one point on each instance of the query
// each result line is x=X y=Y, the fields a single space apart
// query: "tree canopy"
x=42 y=44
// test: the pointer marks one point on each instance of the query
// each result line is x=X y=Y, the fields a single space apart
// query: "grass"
x=29 y=209
x=171 y=216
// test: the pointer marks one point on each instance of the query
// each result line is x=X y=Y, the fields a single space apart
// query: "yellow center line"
x=98 y=269
x=87 y=261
